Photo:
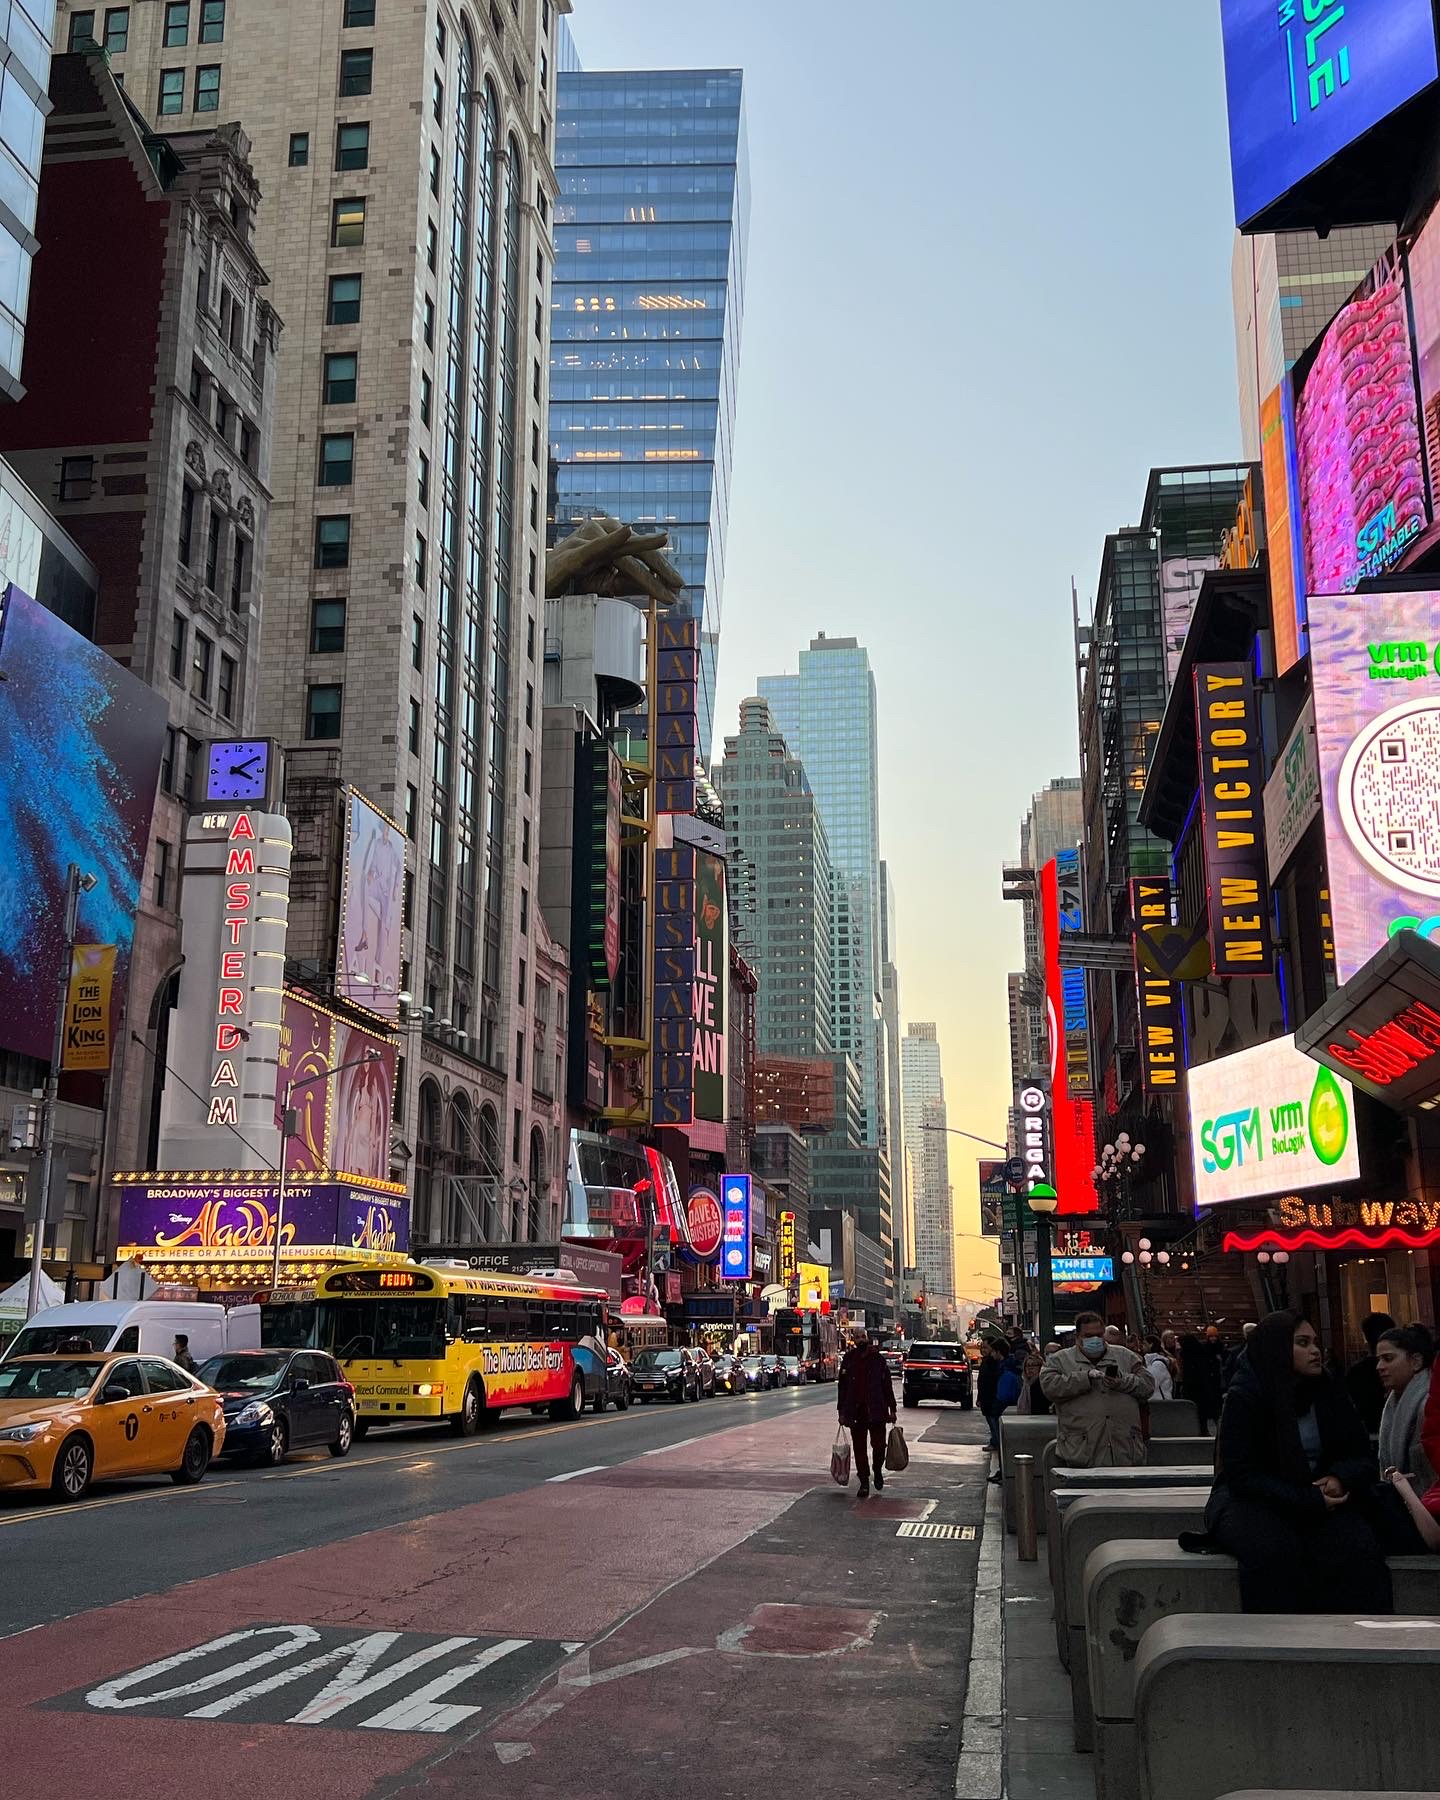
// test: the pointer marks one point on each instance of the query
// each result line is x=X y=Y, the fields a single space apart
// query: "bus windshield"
x=381 y=1327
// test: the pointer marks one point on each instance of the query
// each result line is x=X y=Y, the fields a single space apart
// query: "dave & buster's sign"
x=1382 y=1029
x=1227 y=727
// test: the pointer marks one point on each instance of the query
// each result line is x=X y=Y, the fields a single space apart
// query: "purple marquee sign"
x=239 y=1217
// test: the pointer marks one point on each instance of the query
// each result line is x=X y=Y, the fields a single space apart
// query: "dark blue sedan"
x=277 y=1401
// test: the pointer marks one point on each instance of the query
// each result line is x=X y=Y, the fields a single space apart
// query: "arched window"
x=539 y=1188
x=497 y=1225
x=431 y=1161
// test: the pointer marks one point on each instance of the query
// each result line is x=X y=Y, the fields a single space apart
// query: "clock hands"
x=245 y=768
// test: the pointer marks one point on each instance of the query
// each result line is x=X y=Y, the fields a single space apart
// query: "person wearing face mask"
x=1096 y=1389
x=1293 y=1471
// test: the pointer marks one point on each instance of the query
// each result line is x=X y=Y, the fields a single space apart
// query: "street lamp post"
x=1043 y=1202
x=287 y=1131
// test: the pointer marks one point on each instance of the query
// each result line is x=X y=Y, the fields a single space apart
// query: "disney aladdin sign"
x=162 y=1213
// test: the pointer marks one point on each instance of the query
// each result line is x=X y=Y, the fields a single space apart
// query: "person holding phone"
x=1096 y=1389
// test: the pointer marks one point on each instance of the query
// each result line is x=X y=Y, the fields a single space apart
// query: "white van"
x=148 y=1326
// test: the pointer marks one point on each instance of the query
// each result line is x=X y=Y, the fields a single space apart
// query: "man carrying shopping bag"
x=866 y=1405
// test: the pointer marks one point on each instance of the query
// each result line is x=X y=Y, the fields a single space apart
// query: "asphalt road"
x=671 y=1600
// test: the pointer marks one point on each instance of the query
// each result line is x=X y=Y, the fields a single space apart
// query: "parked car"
x=729 y=1375
x=71 y=1418
x=794 y=1371
x=759 y=1378
x=617 y=1383
x=277 y=1401
x=665 y=1375
x=772 y=1364
x=894 y=1360
x=707 y=1370
x=937 y=1371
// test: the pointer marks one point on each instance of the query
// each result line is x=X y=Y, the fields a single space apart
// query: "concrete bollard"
x=1022 y=1470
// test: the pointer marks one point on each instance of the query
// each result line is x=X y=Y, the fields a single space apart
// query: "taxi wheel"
x=277 y=1445
x=73 y=1468
x=196 y=1459
x=341 y=1446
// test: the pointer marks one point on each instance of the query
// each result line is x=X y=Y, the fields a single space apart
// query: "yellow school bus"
x=419 y=1342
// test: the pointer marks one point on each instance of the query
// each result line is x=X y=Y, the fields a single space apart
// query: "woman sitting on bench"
x=1424 y=1506
x=1293 y=1469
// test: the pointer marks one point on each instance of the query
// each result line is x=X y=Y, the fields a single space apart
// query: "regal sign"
x=1382 y=1029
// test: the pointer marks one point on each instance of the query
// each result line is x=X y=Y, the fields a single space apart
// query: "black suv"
x=937 y=1371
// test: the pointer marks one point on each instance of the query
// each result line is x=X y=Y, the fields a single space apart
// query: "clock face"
x=238 y=771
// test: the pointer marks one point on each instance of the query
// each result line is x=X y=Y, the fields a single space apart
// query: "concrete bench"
x=1165 y=1453
x=1063 y=1493
x=1129 y=1586
x=1173 y=1419
x=1272 y=1699
x=1021 y=1434
x=1092 y=1520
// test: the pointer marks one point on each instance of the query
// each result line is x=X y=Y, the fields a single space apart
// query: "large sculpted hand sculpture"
x=602 y=556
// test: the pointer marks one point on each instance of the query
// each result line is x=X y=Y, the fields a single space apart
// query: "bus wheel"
x=574 y=1407
x=362 y=1429
x=466 y=1422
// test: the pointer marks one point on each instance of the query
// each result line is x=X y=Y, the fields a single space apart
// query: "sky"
x=988 y=290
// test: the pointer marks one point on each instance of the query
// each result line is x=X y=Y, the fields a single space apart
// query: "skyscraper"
x=646 y=309
x=925 y=1122
x=780 y=865
x=827 y=713
x=895 y=1144
x=1054 y=822
x=404 y=156
x=25 y=38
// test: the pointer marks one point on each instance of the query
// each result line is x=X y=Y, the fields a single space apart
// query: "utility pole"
x=76 y=882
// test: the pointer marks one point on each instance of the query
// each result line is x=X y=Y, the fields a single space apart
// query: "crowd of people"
x=1321 y=1473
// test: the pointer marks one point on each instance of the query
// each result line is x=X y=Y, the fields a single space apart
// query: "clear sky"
x=988 y=290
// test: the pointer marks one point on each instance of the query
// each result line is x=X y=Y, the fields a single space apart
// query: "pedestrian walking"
x=866 y=1405
x=182 y=1353
x=987 y=1391
x=1096 y=1389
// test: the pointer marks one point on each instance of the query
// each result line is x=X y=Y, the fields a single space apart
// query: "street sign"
x=1014 y=1171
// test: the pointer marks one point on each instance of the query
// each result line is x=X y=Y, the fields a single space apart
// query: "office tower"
x=894 y=1116
x=925 y=1123
x=25 y=40
x=827 y=715
x=780 y=866
x=1053 y=823
x=650 y=234
x=849 y=1175
x=1286 y=289
x=404 y=156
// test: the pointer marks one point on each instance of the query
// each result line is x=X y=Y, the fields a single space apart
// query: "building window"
x=212 y=552
x=535 y=445
x=168 y=760
x=427 y=325
x=419 y=559
x=529 y=769
x=177 y=24
x=434 y=172
x=437 y=100
x=82 y=29
x=525 y=841
x=322 y=710
x=524 y=911
x=432 y=247
x=178 y=630
x=359 y=12
x=247 y=444
x=417 y=641
x=337 y=459
x=529 y=702
x=239 y=572
x=202 y=667
x=440 y=39
x=197 y=385
x=172 y=92
x=212 y=21
x=425 y=391
x=344 y=305
x=117 y=29
x=225 y=693
x=414 y=739
x=340 y=378
x=77 y=477
x=352 y=146
x=163 y=854
x=327 y=627
x=222 y=415
x=207 y=88
x=332 y=542
x=187 y=523
x=347 y=224
x=188 y=780
x=356 y=71
x=422 y=480
x=299 y=149
x=412 y=809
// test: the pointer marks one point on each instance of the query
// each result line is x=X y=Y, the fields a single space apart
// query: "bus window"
x=477 y=1315
x=537 y=1321
x=397 y=1328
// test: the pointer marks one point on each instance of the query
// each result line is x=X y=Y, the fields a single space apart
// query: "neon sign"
x=735 y=1256
x=238 y=918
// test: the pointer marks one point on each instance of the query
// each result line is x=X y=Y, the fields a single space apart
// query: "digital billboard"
x=1228 y=741
x=735 y=1254
x=1269 y=1121
x=711 y=949
x=672 y=1059
x=1279 y=482
x=1304 y=79
x=1377 y=728
x=80 y=744
x=364 y=1097
x=342 y=1120
x=1423 y=271
x=1072 y=1114
x=372 y=895
x=1357 y=435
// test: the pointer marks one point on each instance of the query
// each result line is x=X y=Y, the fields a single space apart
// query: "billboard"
x=342 y=1120
x=238 y=1217
x=1381 y=1031
x=711 y=950
x=672 y=1057
x=1157 y=1003
x=1181 y=578
x=1303 y=83
x=994 y=1190
x=80 y=744
x=1377 y=730
x=735 y=1255
x=1292 y=794
x=372 y=894
x=1227 y=730
x=1423 y=270
x=677 y=726
x=602 y=874
x=1357 y=438
x=1279 y=480
x=1269 y=1121
x=87 y=1037
x=1082 y=1268
x=364 y=1096
x=785 y=1240
x=1071 y=1113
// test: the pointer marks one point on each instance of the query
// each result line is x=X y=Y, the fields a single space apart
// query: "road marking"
x=157 y=1493
x=664 y=1449
x=575 y=1474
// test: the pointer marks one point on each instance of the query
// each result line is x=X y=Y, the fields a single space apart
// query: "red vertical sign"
x=1072 y=1119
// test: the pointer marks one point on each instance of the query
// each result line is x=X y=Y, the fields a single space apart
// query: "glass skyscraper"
x=646 y=306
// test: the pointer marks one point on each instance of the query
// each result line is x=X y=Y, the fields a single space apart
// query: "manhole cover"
x=924 y=1529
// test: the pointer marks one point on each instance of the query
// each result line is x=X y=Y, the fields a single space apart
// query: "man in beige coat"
x=1096 y=1389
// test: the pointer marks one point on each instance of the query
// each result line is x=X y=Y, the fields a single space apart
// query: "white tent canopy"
x=14 y=1299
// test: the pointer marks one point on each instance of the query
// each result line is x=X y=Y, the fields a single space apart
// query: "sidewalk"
x=1016 y=1739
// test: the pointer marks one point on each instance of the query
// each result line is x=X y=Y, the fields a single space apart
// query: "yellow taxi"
x=68 y=1419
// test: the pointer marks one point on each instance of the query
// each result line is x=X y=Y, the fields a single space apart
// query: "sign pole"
x=74 y=882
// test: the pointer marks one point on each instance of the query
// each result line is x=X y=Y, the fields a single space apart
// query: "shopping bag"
x=897 y=1451
x=840 y=1458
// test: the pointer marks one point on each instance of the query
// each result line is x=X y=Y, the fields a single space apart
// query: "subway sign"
x=1382 y=1029
x=1232 y=787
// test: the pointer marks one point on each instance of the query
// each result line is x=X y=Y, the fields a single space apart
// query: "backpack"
x=1007 y=1389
